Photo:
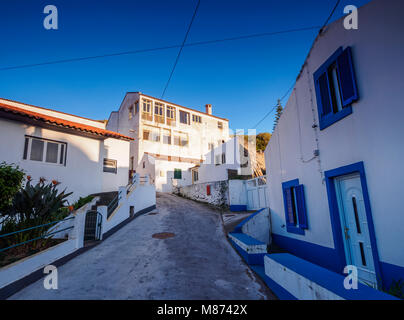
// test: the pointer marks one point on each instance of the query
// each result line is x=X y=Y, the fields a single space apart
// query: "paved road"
x=198 y=263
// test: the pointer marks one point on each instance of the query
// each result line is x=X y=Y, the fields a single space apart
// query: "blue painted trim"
x=280 y=292
x=295 y=230
x=327 y=279
x=332 y=118
x=328 y=120
x=391 y=272
x=320 y=255
x=335 y=215
x=238 y=228
x=323 y=68
x=290 y=228
x=246 y=239
x=250 y=258
x=238 y=207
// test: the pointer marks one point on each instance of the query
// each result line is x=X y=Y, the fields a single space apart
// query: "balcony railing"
x=147 y=116
x=158 y=119
x=171 y=122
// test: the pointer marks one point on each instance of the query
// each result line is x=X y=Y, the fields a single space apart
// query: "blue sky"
x=242 y=79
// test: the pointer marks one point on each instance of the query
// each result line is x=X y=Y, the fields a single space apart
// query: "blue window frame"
x=336 y=87
x=295 y=206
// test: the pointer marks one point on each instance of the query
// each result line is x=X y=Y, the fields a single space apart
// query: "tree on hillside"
x=262 y=140
x=278 y=114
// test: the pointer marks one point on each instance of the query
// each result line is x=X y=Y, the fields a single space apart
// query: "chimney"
x=208 y=108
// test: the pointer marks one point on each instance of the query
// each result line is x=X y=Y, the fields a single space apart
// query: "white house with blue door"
x=335 y=160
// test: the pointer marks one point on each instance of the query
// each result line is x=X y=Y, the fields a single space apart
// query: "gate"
x=93 y=224
x=257 y=193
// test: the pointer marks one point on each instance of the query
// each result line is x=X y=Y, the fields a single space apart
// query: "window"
x=159 y=112
x=220 y=125
x=151 y=134
x=146 y=135
x=195 y=176
x=170 y=112
x=166 y=136
x=196 y=118
x=177 y=174
x=180 y=139
x=295 y=207
x=130 y=112
x=136 y=107
x=43 y=150
x=336 y=88
x=223 y=158
x=110 y=165
x=217 y=159
x=184 y=117
x=147 y=110
x=147 y=106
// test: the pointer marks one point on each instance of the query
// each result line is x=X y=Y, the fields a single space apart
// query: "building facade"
x=334 y=161
x=168 y=138
x=77 y=152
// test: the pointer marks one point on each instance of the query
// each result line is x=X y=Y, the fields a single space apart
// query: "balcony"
x=147 y=116
x=158 y=119
x=171 y=122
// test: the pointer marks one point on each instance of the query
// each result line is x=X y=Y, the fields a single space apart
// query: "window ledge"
x=329 y=120
x=296 y=230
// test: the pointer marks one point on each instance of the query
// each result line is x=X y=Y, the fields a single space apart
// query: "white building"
x=78 y=152
x=227 y=160
x=169 y=138
x=334 y=162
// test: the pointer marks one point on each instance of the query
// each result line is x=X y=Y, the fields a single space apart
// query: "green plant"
x=32 y=206
x=396 y=288
x=11 y=178
x=82 y=201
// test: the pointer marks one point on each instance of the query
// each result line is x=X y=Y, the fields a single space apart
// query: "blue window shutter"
x=349 y=91
x=290 y=220
x=301 y=207
x=324 y=94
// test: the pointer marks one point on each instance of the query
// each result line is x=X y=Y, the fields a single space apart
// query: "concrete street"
x=197 y=263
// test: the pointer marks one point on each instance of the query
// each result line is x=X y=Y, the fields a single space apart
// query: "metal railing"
x=113 y=204
x=46 y=235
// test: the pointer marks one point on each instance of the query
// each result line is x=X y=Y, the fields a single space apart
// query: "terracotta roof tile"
x=62 y=122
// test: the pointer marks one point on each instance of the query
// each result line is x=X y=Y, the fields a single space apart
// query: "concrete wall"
x=258 y=226
x=83 y=173
x=219 y=192
x=141 y=195
x=372 y=134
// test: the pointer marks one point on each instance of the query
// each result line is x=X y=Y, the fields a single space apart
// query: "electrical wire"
x=198 y=43
x=182 y=46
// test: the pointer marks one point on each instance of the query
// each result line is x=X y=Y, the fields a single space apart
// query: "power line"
x=281 y=99
x=329 y=17
x=287 y=92
x=198 y=43
x=182 y=46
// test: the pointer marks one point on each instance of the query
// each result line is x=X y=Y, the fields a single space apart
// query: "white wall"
x=219 y=192
x=83 y=173
x=372 y=133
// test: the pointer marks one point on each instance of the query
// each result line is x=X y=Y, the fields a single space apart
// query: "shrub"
x=11 y=178
x=82 y=201
x=32 y=206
